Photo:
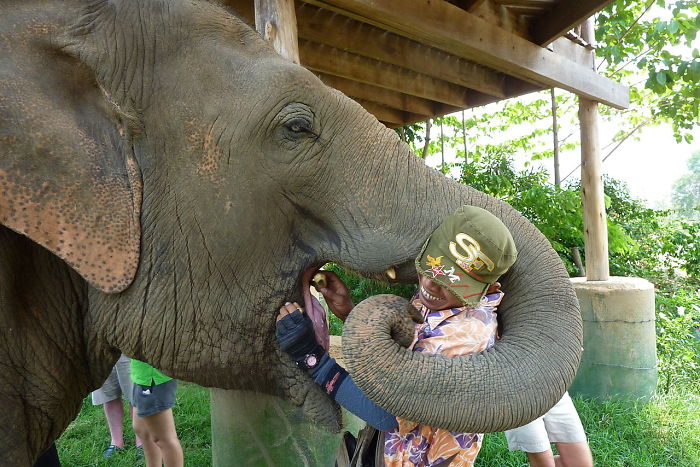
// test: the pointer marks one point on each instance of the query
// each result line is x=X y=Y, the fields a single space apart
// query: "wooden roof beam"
x=449 y=28
x=540 y=4
x=367 y=92
x=392 y=99
x=468 y=5
x=332 y=61
x=387 y=115
x=564 y=16
x=339 y=31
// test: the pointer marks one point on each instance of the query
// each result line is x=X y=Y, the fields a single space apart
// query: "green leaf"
x=661 y=77
x=695 y=70
x=673 y=26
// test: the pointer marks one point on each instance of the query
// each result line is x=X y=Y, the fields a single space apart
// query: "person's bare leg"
x=161 y=428
x=151 y=451
x=573 y=455
x=114 y=412
x=132 y=413
x=541 y=459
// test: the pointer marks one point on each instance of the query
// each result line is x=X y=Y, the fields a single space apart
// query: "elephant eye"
x=299 y=126
x=296 y=127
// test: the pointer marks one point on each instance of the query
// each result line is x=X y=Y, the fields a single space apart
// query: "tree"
x=686 y=190
x=654 y=41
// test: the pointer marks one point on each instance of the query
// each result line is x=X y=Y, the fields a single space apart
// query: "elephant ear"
x=68 y=176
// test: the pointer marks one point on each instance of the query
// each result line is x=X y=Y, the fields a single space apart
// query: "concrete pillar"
x=619 y=338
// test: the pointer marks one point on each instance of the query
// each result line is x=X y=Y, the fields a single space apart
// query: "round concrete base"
x=619 y=357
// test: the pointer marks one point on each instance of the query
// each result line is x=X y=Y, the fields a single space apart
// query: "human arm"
x=295 y=336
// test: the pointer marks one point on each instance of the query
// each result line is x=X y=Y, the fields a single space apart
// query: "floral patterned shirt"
x=453 y=332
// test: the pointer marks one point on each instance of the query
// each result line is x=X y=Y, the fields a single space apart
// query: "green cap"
x=468 y=252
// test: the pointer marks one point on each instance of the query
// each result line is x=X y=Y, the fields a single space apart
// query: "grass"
x=663 y=433
x=83 y=443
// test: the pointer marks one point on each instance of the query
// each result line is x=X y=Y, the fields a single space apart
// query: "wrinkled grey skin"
x=166 y=180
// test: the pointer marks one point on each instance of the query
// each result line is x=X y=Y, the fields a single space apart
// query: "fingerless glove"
x=295 y=335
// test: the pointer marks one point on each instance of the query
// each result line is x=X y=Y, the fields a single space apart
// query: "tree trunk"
x=464 y=139
x=555 y=138
x=426 y=145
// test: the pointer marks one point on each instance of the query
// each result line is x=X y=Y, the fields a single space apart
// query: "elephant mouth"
x=389 y=275
x=305 y=283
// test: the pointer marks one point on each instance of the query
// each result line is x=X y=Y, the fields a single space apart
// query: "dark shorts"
x=150 y=400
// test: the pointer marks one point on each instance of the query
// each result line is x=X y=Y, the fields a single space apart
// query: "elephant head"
x=168 y=181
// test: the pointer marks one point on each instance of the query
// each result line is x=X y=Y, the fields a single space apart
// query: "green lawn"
x=662 y=433
x=83 y=443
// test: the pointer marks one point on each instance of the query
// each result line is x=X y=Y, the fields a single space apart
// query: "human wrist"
x=311 y=359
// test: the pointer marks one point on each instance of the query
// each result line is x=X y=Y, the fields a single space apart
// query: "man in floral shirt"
x=458 y=292
x=450 y=332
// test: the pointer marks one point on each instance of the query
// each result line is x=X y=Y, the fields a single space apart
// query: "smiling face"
x=434 y=296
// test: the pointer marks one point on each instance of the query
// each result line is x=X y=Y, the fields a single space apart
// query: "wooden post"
x=595 y=224
x=594 y=217
x=276 y=22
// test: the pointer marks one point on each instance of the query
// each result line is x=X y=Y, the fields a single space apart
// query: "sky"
x=650 y=166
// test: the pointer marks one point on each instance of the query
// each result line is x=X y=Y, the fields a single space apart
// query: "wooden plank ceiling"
x=409 y=60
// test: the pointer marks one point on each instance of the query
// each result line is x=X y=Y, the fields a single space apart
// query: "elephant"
x=169 y=181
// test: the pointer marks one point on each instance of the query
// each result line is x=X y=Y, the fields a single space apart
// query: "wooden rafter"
x=341 y=32
x=388 y=115
x=564 y=16
x=385 y=97
x=539 y=4
x=467 y=5
x=332 y=61
x=442 y=25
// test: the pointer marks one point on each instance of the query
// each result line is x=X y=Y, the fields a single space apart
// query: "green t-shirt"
x=144 y=374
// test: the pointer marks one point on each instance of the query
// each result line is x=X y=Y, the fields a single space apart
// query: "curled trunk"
x=516 y=381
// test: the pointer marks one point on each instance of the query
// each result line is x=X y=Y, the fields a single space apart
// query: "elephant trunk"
x=516 y=381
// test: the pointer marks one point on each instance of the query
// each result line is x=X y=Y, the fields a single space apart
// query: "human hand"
x=336 y=294
x=295 y=332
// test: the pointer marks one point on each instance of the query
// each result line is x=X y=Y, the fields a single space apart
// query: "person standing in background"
x=562 y=426
x=109 y=396
x=154 y=397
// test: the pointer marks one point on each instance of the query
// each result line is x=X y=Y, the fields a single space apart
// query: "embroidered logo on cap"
x=473 y=258
x=438 y=269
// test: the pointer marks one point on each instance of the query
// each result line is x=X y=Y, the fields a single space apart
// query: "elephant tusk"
x=391 y=272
